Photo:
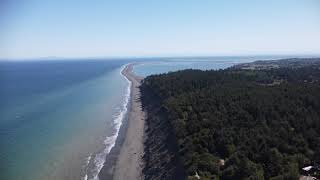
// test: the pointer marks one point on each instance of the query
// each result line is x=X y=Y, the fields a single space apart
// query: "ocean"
x=59 y=119
x=164 y=65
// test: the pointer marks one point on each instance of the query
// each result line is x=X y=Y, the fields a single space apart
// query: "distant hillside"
x=282 y=63
x=235 y=123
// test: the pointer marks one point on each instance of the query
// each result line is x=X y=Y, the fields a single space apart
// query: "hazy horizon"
x=254 y=56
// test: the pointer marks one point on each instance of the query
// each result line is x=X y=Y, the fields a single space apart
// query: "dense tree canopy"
x=243 y=124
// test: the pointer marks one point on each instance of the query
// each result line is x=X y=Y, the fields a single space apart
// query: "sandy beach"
x=129 y=164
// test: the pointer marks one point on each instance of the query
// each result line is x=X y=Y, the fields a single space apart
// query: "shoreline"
x=125 y=159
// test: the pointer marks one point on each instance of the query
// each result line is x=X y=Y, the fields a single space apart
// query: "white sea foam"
x=86 y=166
x=110 y=141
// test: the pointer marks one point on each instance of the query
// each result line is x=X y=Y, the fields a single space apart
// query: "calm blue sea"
x=58 y=115
x=59 y=119
x=164 y=65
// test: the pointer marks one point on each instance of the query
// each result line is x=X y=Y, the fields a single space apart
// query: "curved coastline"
x=125 y=159
x=97 y=162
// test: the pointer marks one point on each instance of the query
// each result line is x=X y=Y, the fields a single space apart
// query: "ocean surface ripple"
x=98 y=160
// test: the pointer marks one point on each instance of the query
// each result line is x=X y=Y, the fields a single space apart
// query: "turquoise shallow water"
x=47 y=133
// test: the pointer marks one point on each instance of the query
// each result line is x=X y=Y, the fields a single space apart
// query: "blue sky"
x=96 y=28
